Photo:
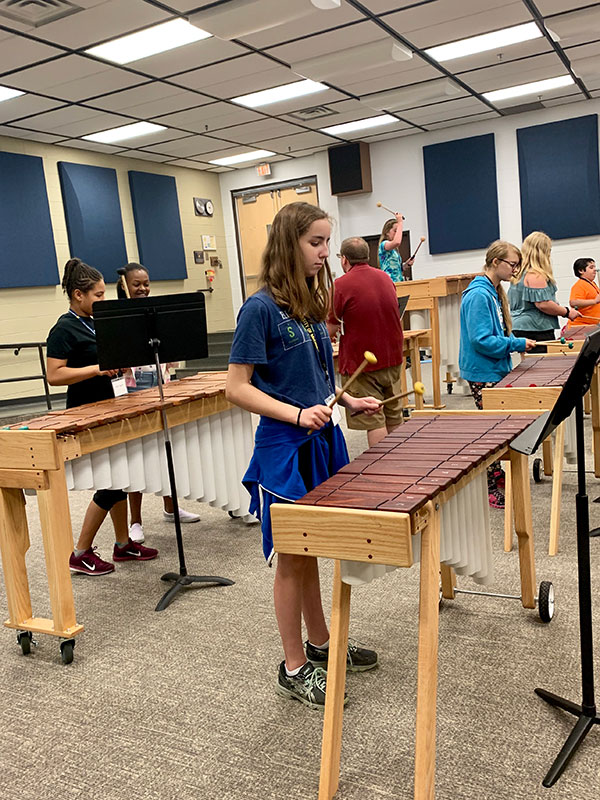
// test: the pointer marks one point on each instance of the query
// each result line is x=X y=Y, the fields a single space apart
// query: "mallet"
x=562 y=340
x=380 y=205
x=369 y=358
x=418 y=388
x=586 y=316
x=419 y=245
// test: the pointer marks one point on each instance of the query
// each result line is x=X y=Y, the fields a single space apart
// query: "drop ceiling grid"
x=190 y=88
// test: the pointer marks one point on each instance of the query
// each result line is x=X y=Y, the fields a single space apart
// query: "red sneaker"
x=496 y=498
x=90 y=563
x=133 y=551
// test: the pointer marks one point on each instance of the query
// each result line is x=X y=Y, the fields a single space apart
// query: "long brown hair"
x=500 y=250
x=282 y=271
x=387 y=227
x=535 y=251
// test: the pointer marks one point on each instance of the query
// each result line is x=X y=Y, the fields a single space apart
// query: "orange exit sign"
x=263 y=170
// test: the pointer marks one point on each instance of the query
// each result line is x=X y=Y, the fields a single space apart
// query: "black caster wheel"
x=24 y=640
x=66 y=650
x=449 y=388
x=232 y=515
x=537 y=470
x=546 y=601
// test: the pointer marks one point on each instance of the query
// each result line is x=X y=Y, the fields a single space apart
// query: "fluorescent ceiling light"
x=124 y=132
x=288 y=91
x=8 y=94
x=142 y=44
x=360 y=124
x=487 y=41
x=537 y=87
x=243 y=17
x=409 y=96
x=363 y=56
x=239 y=159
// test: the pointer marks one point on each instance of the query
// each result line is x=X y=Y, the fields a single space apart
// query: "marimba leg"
x=547 y=456
x=587 y=403
x=415 y=371
x=559 y=447
x=435 y=355
x=595 y=392
x=448 y=581
x=57 y=536
x=336 y=682
x=14 y=544
x=508 y=509
x=523 y=526
x=428 y=656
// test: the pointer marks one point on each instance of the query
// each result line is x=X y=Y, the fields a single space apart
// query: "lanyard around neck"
x=90 y=329
x=309 y=329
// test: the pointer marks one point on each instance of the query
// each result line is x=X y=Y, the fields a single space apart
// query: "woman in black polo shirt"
x=73 y=362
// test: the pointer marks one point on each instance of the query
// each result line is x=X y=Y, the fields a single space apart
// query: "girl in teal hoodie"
x=486 y=341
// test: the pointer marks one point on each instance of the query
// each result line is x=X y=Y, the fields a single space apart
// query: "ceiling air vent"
x=315 y=112
x=521 y=109
x=37 y=12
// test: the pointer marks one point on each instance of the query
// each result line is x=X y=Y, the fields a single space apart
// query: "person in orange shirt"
x=585 y=294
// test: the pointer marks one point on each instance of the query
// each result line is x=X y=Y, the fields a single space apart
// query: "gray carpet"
x=181 y=704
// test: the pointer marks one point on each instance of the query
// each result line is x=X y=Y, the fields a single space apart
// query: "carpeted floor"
x=181 y=704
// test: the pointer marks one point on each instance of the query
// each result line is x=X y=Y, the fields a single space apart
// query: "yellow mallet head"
x=422 y=238
x=419 y=387
x=378 y=205
x=370 y=357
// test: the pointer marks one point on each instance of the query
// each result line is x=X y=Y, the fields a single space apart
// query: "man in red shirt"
x=365 y=311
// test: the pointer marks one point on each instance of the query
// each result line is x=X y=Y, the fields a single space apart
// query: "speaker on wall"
x=350 y=168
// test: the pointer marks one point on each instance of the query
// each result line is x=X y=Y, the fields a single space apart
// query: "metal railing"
x=17 y=347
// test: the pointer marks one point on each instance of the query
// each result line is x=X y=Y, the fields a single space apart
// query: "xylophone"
x=535 y=384
x=113 y=444
x=572 y=341
x=435 y=303
x=420 y=494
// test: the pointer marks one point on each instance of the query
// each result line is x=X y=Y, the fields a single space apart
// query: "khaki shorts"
x=381 y=383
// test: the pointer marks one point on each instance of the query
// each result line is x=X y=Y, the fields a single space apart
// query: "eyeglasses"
x=513 y=264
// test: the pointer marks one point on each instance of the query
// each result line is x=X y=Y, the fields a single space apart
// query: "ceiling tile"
x=290 y=144
x=266 y=128
x=354 y=135
x=379 y=80
x=183 y=6
x=383 y=137
x=144 y=156
x=25 y=106
x=326 y=42
x=79 y=144
x=514 y=73
x=56 y=78
x=209 y=117
x=73 y=121
x=558 y=6
x=575 y=97
x=36 y=136
x=503 y=56
x=106 y=20
x=463 y=120
x=150 y=100
x=237 y=76
x=383 y=6
x=188 y=57
x=451 y=109
x=186 y=162
x=17 y=52
x=192 y=146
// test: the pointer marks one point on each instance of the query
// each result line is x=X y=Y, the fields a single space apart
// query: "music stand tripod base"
x=181 y=581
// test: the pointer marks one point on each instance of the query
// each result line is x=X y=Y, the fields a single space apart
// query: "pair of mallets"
x=370 y=358
x=422 y=239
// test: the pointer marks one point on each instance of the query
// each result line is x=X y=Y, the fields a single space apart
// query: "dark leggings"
x=107 y=498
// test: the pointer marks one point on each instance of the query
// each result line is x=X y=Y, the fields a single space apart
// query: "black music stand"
x=577 y=384
x=132 y=333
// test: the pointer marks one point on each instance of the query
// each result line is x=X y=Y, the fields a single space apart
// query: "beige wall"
x=26 y=315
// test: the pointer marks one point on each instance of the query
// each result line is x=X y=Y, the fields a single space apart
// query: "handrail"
x=17 y=347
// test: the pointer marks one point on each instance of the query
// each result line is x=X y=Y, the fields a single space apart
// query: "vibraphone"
x=535 y=384
x=114 y=444
x=413 y=496
x=435 y=303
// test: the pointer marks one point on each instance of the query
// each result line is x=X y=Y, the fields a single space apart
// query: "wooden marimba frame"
x=440 y=297
x=345 y=520
x=111 y=441
x=535 y=385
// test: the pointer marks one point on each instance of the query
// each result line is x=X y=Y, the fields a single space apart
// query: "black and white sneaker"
x=308 y=686
x=358 y=659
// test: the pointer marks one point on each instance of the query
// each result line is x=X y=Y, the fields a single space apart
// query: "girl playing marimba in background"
x=532 y=294
x=281 y=367
x=388 y=255
x=486 y=341
x=585 y=294
x=134 y=281
x=72 y=361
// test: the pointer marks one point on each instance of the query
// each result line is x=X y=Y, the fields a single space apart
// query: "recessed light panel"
x=149 y=42
x=124 y=132
x=239 y=159
x=360 y=124
x=8 y=94
x=288 y=91
x=487 y=41
x=537 y=87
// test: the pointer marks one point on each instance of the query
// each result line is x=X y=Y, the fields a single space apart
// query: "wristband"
x=300 y=410
x=568 y=310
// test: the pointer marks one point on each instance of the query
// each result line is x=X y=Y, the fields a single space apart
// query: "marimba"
x=435 y=303
x=113 y=444
x=413 y=496
x=535 y=384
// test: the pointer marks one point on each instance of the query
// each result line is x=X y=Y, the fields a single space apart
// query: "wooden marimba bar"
x=113 y=444
x=435 y=303
x=535 y=384
x=574 y=338
x=408 y=498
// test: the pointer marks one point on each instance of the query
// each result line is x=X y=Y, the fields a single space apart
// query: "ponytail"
x=507 y=319
x=78 y=275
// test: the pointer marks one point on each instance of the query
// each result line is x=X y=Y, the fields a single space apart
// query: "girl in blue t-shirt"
x=388 y=255
x=281 y=367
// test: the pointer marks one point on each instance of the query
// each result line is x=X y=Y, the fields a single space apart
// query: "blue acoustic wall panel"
x=558 y=174
x=158 y=224
x=27 y=253
x=93 y=215
x=461 y=194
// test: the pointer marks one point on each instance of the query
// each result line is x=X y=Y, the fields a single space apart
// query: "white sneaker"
x=136 y=533
x=184 y=516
